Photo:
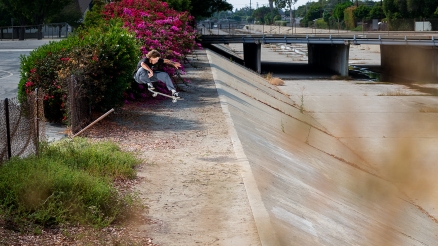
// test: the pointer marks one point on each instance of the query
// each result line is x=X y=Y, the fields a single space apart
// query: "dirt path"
x=190 y=179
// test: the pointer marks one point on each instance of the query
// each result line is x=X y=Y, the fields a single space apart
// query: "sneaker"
x=175 y=94
x=150 y=86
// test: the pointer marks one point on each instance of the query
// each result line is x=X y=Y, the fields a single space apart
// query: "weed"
x=302 y=99
x=70 y=182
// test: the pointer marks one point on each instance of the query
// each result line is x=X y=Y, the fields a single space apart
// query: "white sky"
x=245 y=3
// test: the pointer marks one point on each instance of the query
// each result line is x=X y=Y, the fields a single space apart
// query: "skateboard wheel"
x=154 y=95
x=174 y=100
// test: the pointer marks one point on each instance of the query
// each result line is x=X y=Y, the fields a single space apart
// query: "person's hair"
x=153 y=54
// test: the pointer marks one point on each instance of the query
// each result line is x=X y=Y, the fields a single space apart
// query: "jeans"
x=142 y=77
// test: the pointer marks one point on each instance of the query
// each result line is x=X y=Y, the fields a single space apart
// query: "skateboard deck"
x=174 y=99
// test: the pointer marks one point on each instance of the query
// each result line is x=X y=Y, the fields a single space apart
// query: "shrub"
x=320 y=23
x=69 y=183
x=349 y=17
x=102 y=58
x=157 y=27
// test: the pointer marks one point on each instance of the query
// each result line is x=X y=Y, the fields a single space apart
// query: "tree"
x=376 y=12
x=362 y=12
x=179 y=5
x=37 y=11
x=286 y=3
x=70 y=14
x=271 y=4
x=338 y=11
x=260 y=13
x=5 y=18
x=205 y=8
x=313 y=13
x=421 y=8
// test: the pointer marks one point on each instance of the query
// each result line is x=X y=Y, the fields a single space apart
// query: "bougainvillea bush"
x=101 y=58
x=156 y=26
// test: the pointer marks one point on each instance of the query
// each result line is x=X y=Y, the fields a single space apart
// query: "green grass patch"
x=71 y=182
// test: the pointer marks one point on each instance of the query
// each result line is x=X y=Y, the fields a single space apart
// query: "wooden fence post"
x=8 y=130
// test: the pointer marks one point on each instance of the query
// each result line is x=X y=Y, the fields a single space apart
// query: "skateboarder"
x=146 y=74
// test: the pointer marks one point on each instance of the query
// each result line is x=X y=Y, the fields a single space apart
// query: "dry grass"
x=274 y=80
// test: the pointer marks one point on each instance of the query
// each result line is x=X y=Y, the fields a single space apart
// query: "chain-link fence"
x=21 y=126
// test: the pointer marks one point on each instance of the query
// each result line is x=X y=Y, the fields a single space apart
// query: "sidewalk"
x=191 y=177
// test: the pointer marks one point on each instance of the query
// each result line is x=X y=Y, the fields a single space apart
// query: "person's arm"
x=147 y=68
x=175 y=64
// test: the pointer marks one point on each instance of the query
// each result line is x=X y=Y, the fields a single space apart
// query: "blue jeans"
x=142 y=77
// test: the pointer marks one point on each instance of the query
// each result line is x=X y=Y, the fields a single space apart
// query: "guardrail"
x=332 y=27
x=346 y=38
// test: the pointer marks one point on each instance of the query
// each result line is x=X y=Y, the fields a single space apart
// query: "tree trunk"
x=271 y=4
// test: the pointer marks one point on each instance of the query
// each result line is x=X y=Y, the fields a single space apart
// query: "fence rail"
x=21 y=126
x=419 y=26
x=52 y=30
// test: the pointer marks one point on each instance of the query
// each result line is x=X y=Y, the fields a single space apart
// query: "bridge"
x=402 y=53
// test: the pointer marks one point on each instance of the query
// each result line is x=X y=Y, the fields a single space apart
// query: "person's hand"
x=177 y=65
x=151 y=73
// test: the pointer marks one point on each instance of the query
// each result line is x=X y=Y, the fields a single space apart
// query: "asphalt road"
x=10 y=52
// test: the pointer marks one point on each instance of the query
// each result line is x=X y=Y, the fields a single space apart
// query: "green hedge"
x=102 y=59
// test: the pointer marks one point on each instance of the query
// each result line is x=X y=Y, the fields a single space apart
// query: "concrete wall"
x=329 y=56
x=315 y=190
x=252 y=56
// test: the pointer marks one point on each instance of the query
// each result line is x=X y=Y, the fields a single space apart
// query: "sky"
x=245 y=3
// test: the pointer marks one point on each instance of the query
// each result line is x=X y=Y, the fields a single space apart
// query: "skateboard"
x=155 y=93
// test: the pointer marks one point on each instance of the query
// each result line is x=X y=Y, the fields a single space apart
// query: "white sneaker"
x=150 y=86
x=175 y=94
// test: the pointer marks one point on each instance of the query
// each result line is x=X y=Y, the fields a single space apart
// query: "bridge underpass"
x=315 y=182
x=413 y=57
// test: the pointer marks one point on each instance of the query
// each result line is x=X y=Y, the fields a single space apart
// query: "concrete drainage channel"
x=306 y=187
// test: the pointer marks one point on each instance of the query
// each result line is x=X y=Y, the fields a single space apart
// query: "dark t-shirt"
x=152 y=66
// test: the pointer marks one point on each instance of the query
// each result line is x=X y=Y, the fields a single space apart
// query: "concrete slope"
x=314 y=188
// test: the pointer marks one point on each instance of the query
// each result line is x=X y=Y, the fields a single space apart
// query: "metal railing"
x=52 y=31
x=415 y=26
